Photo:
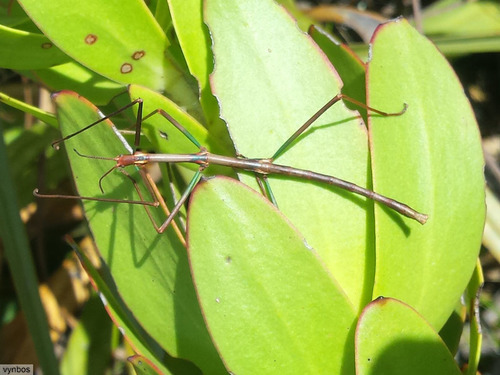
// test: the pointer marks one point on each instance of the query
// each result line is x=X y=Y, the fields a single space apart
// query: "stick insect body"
x=262 y=167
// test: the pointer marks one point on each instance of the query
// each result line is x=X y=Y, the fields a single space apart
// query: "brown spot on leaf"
x=381 y=300
x=47 y=45
x=138 y=55
x=126 y=68
x=91 y=39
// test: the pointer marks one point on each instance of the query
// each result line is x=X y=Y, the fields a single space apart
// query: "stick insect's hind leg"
x=265 y=188
x=322 y=110
x=263 y=181
x=156 y=195
x=168 y=170
x=139 y=193
x=264 y=185
x=196 y=178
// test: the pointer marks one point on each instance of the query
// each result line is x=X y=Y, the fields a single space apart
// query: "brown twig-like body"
x=262 y=167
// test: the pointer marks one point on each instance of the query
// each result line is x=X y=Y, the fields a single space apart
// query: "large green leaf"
x=119 y=40
x=392 y=338
x=270 y=78
x=151 y=272
x=429 y=158
x=106 y=46
x=75 y=77
x=187 y=17
x=24 y=50
x=270 y=305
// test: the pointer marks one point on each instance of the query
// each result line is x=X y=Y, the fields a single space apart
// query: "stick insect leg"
x=155 y=193
x=309 y=122
x=265 y=188
x=174 y=122
x=292 y=138
x=150 y=184
x=37 y=194
x=322 y=110
x=55 y=144
x=171 y=187
x=181 y=201
x=136 y=186
x=196 y=178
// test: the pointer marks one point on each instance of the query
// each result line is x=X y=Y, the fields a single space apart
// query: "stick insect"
x=203 y=158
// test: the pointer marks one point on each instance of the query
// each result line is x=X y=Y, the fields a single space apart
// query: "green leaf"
x=187 y=17
x=448 y=25
x=76 y=77
x=161 y=11
x=455 y=19
x=118 y=40
x=151 y=272
x=24 y=50
x=475 y=332
x=128 y=47
x=452 y=46
x=143 y=366
x=269 y=79
x=392 y=338
x=350 y=68
x=303 y=21
x=431 y=159
x=451 y=332
x=49 y=118
x=269 y=303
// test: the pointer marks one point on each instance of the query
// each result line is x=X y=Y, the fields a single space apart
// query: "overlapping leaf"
x=430 y=158
x=119 y=40
x=150 y=271
x=270 y=78
x=392 y=338
x=269 y=303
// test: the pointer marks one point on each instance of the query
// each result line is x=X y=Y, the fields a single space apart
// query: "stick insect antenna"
x=102 y=158
x=93 y=156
